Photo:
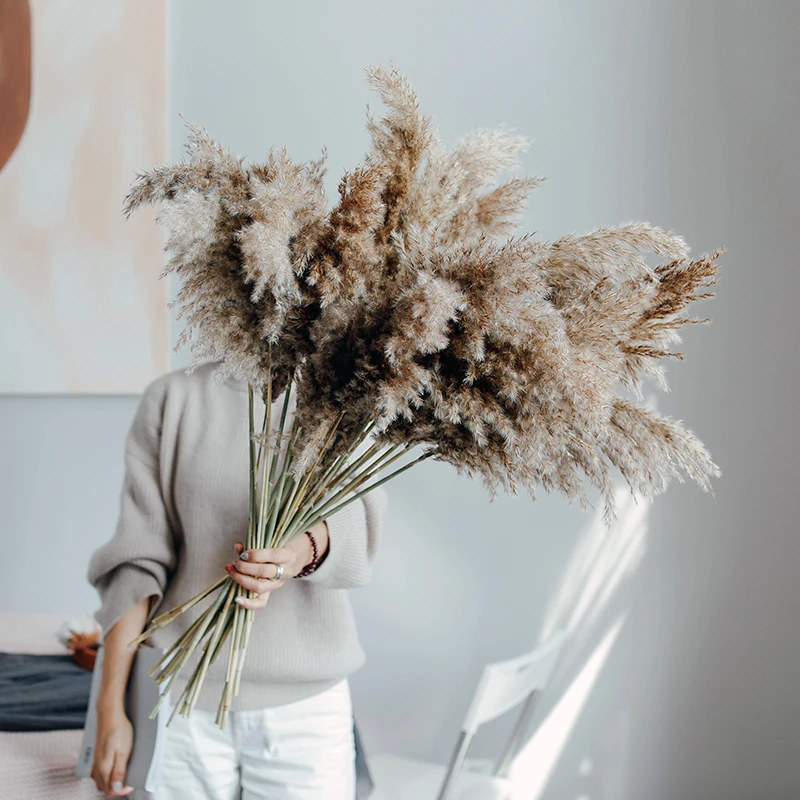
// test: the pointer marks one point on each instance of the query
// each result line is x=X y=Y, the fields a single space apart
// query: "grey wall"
x=679 y=679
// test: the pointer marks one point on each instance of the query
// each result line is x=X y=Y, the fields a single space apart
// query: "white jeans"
x=299 y=751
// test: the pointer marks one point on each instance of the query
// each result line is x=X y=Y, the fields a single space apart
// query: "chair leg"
x=454 y=766
x=517 y=734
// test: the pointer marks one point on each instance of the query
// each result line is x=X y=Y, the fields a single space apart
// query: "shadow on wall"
x=591 y=606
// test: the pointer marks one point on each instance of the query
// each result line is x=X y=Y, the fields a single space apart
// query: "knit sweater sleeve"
x=353 y=535
x=138 y=560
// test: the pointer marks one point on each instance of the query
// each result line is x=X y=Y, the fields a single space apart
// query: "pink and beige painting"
x=82 y=108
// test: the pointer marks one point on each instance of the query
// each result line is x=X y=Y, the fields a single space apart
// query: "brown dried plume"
x=414 y=307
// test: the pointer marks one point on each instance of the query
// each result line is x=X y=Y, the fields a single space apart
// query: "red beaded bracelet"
x=313 y=564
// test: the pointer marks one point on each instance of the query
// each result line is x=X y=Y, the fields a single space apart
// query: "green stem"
x=375 y=485
x=299 y=495
x=164 y=619
x=285 y=474
x=328 y=509
x=200 y=673
x=252 y=521
x=223 y=638
x=284 y=409
x=156 y=669
x=388 y=457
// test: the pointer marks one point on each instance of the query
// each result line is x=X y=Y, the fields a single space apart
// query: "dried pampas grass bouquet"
x=410 y=321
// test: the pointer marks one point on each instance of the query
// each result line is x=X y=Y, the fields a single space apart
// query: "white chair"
x=502 y=686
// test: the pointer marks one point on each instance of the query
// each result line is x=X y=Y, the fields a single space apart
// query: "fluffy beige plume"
x=412 y=318
x=411 y=309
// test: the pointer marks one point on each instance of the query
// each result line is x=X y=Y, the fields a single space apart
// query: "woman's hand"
x=256 y=569
x=114 y=738
x=112 y=750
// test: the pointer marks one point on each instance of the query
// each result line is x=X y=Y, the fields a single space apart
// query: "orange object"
x=85 y=657
x=84 y=649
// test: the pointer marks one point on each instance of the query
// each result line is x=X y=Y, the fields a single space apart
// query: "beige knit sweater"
x=184 y=503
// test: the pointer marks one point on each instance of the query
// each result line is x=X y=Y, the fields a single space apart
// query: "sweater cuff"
x=121 y=590
x=347 y=565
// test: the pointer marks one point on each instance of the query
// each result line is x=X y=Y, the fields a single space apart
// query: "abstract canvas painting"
x=83 y=97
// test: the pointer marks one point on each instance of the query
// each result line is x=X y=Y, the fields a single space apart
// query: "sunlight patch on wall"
x=602 y=559
x=535 y=763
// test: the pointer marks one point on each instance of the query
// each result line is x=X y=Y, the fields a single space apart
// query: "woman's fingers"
x=261 y=571
x=110 y=778
x=118 y=787
x=260 y=585
x=270 y=555
x=101 y=772
x=253 y=602
x=114 y=742
x=256 y=570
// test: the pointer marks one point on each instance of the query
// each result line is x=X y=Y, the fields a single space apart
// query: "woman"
x=184 y=511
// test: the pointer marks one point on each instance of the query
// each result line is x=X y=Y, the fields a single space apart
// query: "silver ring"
x=279 y=572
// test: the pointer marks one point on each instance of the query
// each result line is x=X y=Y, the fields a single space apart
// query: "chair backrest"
x=505 y=684
x=502 y=686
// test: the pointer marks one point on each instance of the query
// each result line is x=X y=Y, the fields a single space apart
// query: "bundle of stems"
x=286 y=505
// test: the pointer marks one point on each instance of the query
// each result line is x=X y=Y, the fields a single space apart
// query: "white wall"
x=679 y=681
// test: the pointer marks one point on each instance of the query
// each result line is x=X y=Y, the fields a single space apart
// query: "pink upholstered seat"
x=41 y=765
